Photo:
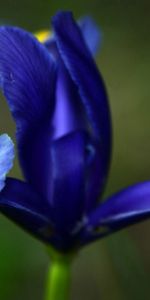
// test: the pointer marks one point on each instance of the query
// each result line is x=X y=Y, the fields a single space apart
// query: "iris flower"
x=58 y=101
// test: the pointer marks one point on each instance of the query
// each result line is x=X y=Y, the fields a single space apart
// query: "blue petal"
x=6 y=157
x=127 y=207
x=19 y=202
x=50 y=44
x=69 y=114
x=83 y=70
x=68 y=181
x=27 y=77
x=79 y=62
x=91 y=33
x=95 y=175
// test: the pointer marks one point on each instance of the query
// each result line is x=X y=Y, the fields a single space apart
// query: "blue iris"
x=59 y=103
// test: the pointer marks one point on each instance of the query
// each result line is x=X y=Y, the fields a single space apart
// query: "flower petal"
x=91 y=33
x=6 y=157
x=83 y=70
x=68 y=181
x=27 y=77
x=95 y=175
x=127 y=207
x=69 y=115
x=80 y=64
x=19 y=202
x=26 y=74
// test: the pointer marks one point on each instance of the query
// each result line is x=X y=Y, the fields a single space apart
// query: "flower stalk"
x=59 y=277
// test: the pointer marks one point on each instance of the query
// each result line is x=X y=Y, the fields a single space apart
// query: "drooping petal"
x=68 y=181
x=81 y=66
x=27 y=78
x=20 y=203
x=91 y=33
x=127 y=207
x=6 y=157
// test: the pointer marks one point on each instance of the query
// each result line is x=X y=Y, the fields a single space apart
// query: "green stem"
x=59 y=278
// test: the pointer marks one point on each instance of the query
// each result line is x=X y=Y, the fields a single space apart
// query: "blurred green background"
x=119 y=267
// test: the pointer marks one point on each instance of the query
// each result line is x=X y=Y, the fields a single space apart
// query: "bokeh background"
x=119 y=267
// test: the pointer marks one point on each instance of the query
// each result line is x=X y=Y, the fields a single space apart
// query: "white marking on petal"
x=6 y=157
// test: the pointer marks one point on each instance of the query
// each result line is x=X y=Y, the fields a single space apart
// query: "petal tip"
x=60 y=16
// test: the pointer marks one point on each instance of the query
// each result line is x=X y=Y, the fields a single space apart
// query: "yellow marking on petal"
x=42 y=35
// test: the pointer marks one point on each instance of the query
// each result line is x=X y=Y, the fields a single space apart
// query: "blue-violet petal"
x=81 y=66
x=68 y=154
x=27 y=78
x=128 y=206
x=91 y=33
x=24 y=206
